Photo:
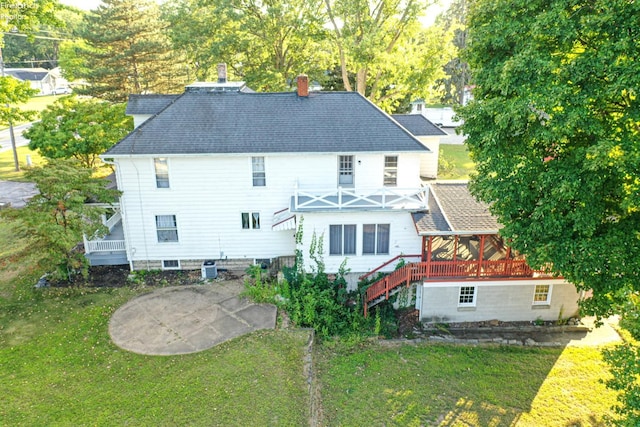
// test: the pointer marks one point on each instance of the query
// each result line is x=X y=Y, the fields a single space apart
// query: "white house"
x=39 y=78
x=223 y=174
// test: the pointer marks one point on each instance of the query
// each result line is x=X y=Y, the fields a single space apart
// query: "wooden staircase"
x=389 y=285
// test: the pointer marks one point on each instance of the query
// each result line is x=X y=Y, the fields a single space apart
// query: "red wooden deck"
x=434 y=270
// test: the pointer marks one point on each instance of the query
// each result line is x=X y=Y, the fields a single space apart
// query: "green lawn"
x=7 y=166
x=445 y=385
x=59 y=367
x=458 y=158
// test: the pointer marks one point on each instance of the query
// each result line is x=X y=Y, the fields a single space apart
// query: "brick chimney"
x=303 y=85
x=222 y=73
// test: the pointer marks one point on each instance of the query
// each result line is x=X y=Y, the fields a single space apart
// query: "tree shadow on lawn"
x=453 y=385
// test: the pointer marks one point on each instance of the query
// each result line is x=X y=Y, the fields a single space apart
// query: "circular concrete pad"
x=187 y=319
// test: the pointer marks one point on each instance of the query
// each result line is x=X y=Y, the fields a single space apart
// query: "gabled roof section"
x=418 y=125
x=239 y=122
x=30 y=74
x=461 y=212
x=148 y=104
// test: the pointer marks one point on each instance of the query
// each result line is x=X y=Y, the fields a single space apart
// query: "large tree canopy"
x=555 y=133
x=265 y=43
x=128 y=52
x=79 y=128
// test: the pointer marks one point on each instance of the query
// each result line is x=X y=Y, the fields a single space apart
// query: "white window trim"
x=475 y=296
x=164 y=267
x=155 y=173
x=168 y=242
x=251 y=228
x=264 y=164
x=548 y=300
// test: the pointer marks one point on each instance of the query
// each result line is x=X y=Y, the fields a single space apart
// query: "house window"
x=542 y=295
x=419 y=107
x=375 y=239
x=345 y=170
x=171 y=264
x=258 y=172
x=250 y=220
x=162 y=172
x=342 y=240
x=390 y=171
x=167 y=228
x=467 y=296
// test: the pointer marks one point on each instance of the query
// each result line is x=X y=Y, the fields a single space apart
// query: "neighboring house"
x=39 y=78
x=430 y=135
x=220 y=173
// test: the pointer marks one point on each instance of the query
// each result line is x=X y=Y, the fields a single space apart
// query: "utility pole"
x=11 y=134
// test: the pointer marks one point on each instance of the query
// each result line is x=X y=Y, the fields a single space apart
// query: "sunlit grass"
x=7 y=164
x=458 y=156
x=444 y=385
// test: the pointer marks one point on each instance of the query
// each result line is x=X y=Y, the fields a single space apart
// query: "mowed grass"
x=458 y=157
x=7 y=164
x=58 y=365
x=445 y=385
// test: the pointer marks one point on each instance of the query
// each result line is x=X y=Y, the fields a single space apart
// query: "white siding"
x=429 y=161
x=402 y=234
x=207 y=194
x=503 y=300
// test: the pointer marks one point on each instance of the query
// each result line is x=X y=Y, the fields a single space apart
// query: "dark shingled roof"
x=238 y=122
x=148 y=104
x=25 y=75
x=418 y=125
x=453 y=210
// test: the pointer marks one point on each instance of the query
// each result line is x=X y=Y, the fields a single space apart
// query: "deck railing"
x=91 y=246
x=433 y=270
x=351 y=198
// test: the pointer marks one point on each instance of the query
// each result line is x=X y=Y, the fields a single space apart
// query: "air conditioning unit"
x=209 y=269
x=264 y=263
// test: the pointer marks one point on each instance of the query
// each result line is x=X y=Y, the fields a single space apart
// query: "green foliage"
x=128 y=52
x=12 y=93
x=265 y=44
x=260 y=290
x=554 y=135
x=55 y=220
x=79 y=128
x=623 y=364
x=27 y=15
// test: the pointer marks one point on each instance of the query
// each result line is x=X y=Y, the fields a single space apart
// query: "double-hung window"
x=345 y=170
x=467 y=296
x=542 y=295
x=390 y=171
x=258 y=172
x=375 y=239
x=162 y=172
x=342 y=239
x=167 y=228
x=250 y=220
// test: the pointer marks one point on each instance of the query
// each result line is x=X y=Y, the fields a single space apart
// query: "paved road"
x=5 y=140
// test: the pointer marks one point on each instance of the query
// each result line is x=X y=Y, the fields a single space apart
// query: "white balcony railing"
x=113 y=220
x=91 y=246
x=350 y=198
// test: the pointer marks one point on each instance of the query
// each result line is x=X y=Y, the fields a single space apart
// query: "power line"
x=35 y=37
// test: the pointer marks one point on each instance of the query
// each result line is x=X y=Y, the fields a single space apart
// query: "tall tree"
x=383 y=44
x=128 y=52
x=555 y=134
x=13 y=93
x=266 y=43
x=55 y=220
x=41 y=49
x=453 y=85
x=79 y=128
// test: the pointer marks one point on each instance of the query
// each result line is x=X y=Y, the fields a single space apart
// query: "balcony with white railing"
x=112 y=242
x=385 y=198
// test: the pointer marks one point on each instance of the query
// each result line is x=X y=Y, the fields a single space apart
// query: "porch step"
x=108 y=258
